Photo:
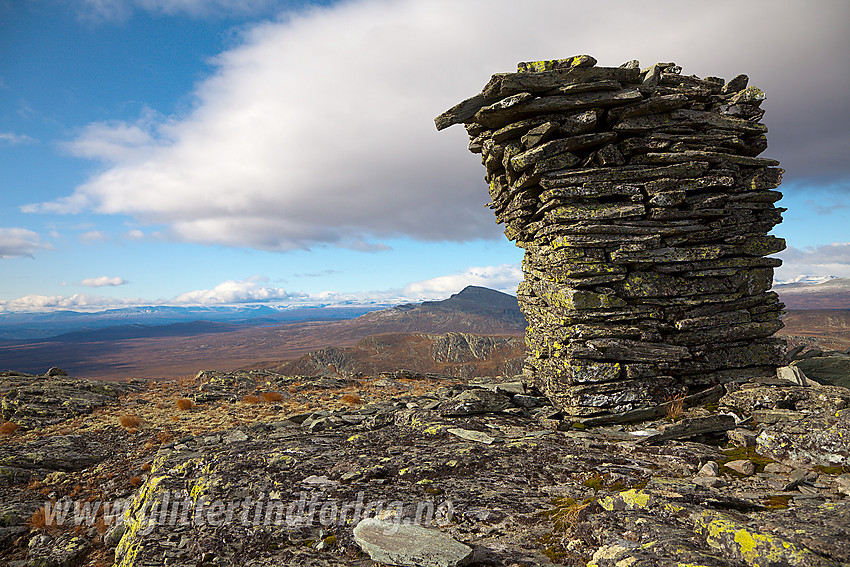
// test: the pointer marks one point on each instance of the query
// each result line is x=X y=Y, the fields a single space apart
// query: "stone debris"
x=409 y=545
x=644 y=214
x=548 y=489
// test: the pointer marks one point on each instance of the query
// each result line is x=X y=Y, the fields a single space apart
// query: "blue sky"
x=209 y=151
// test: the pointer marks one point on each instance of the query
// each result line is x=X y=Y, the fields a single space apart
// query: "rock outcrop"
x=644 y=214
x=488 y=471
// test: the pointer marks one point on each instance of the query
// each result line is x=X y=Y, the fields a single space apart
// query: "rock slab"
x=409 y=545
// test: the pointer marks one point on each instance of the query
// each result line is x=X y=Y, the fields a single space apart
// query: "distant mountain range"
x=157 y=351
x=806 y=279
x=832 y=293
x=24 y=326
x=132 y=346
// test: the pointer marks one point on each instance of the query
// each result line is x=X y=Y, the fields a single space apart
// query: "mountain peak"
x=476 y=296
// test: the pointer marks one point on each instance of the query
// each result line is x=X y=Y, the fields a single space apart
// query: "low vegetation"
x=351 y=399
x=129 y=421
x=272 y=397
x=8 y=428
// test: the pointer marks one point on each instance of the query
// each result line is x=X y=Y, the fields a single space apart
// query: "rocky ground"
x=258 y=468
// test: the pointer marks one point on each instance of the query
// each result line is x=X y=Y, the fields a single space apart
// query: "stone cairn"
x=643 y=212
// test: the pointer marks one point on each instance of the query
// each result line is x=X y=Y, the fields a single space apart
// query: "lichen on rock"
x=651 y=180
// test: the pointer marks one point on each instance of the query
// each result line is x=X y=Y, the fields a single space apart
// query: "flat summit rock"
x=409 y=545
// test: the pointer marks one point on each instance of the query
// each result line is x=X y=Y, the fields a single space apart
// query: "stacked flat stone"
x=644 y=215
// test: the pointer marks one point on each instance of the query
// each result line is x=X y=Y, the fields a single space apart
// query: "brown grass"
x=272 y=396
x=8 y=427
x=130 y=421
x=185 y=404
x=186 y=380
x=146 y=467
x=351 y=399
x=135 y=481
x=676 y=407
x=163 y=436
x=251 y=399
x=37 y=520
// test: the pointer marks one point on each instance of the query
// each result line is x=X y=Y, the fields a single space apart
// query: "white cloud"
x=254 y=290
x=503 y=278
x=119 y=10
x=20 y=242
x=12 y=138
x=94 y=236
x=102 y=281
x=825 y=260
x=76 y=302
x=116 y=141
x=251 y=290
x=318 y=128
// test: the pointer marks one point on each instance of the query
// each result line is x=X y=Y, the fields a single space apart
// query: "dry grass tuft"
x=294 y=387
x=251 y=399
x=37 y=520
x=163 y=436
x=272 y=396
x=185 y=404
x=130 y=421
x=186 y=381
x=676 y=407
x=146 y=467
x=136 y=481
x=352 y=399
x=8 y=427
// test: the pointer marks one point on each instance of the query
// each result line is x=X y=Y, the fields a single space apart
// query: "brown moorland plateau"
x=224 y=346
x=185 y=349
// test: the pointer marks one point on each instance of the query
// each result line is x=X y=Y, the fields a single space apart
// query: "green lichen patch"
x=777 y=502
x=840 y=469
x=596 y=482
x=743 y=453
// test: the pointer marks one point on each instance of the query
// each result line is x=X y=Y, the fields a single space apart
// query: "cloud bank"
x=251 y=290
x=76 y=302
x=317 y=129
x=826 y=260
x=256 y=290
x=504 y=278
x=20 y=242
x=104 y=281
